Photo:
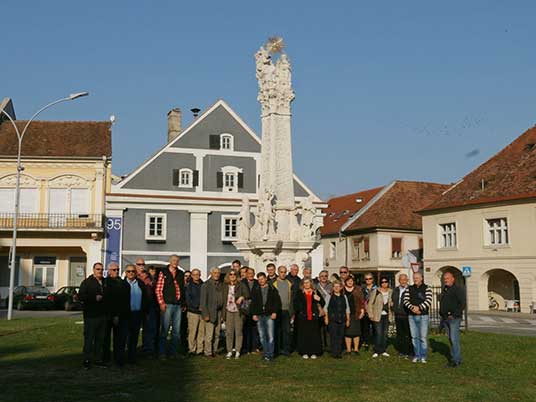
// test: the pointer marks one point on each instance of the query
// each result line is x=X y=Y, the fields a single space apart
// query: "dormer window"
x=186 y=178
x=226 y=142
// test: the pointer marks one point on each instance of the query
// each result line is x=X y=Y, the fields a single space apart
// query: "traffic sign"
x=466 y=271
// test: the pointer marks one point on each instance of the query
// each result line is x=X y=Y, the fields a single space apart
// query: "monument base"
x=280 y=252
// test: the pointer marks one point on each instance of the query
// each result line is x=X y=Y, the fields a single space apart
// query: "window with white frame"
x=226 y=142
x=229 y=229
x=186 y=178
x=497 y=231
x=447 y=235
x=230 y=178
x=155 y=226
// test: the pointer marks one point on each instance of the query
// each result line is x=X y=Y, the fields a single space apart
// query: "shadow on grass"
x=6 y=351
x=63 y=374
x=440 y=347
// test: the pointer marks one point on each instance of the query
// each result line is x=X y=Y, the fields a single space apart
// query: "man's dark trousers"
x=403 y=335
x=93 y=337
x=283 y=333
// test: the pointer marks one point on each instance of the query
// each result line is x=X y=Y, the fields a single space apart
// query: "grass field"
x=40 y=361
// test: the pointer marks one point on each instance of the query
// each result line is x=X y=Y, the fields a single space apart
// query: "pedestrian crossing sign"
x=466 y=271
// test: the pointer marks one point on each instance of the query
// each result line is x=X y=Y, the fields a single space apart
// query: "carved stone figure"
x=308 y=212
x=244 y=225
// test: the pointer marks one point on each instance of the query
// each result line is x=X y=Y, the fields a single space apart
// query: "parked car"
x=66 y=298
x=28 y=297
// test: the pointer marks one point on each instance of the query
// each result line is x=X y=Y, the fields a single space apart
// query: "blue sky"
x=384 y=90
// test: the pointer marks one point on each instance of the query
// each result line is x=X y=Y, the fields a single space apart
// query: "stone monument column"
x=276 y=236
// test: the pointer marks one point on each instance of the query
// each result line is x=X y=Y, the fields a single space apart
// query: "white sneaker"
x=415 y=360
x=385 y=354
x=229 y=355
x=423 y=361
x=313 y=357
x=237 y=355
x=375 y=355
x=305 y=356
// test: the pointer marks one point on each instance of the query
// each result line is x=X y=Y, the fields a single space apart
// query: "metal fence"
x=52 y=221
x=435 y=318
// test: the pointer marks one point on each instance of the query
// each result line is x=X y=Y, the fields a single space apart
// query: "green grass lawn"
x=40 y=360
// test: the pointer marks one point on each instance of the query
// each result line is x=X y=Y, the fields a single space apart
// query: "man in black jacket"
x=91 y=295
x=265 y=303
x=137 y=306
x=196 y=324
x=451 y=306
x=116 y=307
x=403 y=337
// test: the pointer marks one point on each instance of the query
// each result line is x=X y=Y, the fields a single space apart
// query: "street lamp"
x=20 y=168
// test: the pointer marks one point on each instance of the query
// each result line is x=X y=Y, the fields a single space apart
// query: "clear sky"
x=415 y=90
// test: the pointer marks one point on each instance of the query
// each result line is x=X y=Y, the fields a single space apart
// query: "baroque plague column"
x=283 y=232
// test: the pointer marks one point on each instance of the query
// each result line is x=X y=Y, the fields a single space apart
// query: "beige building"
x=66 y=175
x=373 y=230
x=487 y=222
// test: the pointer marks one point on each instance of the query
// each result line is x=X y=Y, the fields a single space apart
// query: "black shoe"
x=87 y=364
x=453 y=364
x=101 y=364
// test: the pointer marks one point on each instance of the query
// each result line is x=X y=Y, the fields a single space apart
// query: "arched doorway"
x=502 y=289
x=460 y=279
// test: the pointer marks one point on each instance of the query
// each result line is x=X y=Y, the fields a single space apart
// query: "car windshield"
x=38 y=290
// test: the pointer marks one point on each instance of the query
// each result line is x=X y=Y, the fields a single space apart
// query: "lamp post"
x=20 y=168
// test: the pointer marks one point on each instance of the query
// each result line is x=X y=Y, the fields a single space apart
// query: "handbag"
x=244 y=306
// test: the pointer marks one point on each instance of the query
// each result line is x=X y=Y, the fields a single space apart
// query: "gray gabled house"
x=185 y=199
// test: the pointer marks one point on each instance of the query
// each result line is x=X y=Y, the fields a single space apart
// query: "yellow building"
x=487 y=223
x=67 y=172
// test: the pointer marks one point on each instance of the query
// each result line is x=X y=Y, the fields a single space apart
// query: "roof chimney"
x=195 y=111
x=174 y=123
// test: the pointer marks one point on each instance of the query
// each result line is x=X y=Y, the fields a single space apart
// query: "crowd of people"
x=273 y=313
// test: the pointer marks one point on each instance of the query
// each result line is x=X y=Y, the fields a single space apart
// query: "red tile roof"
x=340 y=209
x=395 y=209
x=58 y=139
x=509 y=175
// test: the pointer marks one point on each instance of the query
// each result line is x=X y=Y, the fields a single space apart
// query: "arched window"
x=226 y=142
x=186 y=178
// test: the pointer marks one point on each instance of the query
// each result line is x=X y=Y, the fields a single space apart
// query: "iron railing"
x=435 y=318
x=52 y=221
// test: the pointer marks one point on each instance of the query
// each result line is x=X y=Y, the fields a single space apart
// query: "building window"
x=226 y=142
x=497 y=231
x=447 y=235
x=332 y=250
x=229 y=228
x=155 y=226
x=356 y=243
x=366 y=248
x=186 y=178
x=230 y=179
x=396 y=247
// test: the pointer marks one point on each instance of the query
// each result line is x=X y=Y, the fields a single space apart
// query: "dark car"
x=28 y=297
x=66 y=298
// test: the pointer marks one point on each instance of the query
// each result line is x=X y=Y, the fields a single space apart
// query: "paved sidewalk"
x=502 y=322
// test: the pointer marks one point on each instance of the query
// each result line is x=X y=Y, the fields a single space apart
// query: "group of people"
x=275 y=312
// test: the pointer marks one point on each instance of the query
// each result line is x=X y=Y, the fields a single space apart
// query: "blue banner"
x=113 y=240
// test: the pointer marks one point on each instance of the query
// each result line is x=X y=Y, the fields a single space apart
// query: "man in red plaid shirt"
x=170 y=295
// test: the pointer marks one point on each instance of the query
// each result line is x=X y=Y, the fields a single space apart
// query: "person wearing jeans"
x=170 y=294
x=417 y=300
x=451 y=307
x=379 y=308
x=265 y=303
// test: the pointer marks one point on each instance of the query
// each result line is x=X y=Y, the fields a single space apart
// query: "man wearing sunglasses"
x=140 y=266
x=91 y=294
x=137 y=305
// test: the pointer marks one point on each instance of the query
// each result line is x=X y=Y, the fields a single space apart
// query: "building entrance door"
x=44 y=269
